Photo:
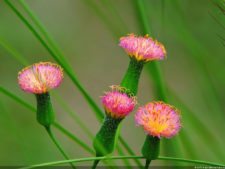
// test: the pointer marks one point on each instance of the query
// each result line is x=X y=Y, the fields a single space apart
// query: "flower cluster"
x=158 y=119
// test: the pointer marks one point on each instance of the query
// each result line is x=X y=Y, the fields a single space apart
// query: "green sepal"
x=132 y=75
x=105 y=139
x=45 y=114
x=150 y=149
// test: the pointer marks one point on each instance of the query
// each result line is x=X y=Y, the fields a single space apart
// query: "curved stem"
x=124 y=157
x=48 y=129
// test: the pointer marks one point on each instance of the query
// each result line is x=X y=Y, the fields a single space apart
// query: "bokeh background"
x=87 y=32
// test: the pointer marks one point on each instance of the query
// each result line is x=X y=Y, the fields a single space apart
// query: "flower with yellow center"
x=159 y=119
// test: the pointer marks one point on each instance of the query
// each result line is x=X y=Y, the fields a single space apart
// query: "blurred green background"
x=87 y=32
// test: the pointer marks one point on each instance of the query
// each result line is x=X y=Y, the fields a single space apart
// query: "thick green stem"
x=150 y=149
x=106 y=136
x=147 y=163
x=105 y=140
x=45 y=114
x=131 y=78
x=48 y=129
x=95 y=164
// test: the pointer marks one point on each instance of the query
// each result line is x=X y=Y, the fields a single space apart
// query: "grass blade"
x=204 y=133
x=188 y=161
x=74 y=138
x=13 y=52
x=17 y=99
x=74 y=116
x=72 y=76
x=198 y=54
x=115 y=15
x=44 y=32
x=111 y=26
x=58 y=126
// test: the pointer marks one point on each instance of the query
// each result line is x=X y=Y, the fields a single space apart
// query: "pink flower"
x=117 y=103
x=142 y=48
x=40 y=77
x=159 y=119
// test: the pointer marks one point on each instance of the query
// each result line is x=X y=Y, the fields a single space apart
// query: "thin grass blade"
x=72 y=76
x=58 y=126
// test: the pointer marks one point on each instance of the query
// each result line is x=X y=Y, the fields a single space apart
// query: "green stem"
x=121 y=153
x=48 y=129
x=125 y=157
x=95 y=164
x=104 y=142
x=83 y=126
x=45 y=114
x=130 y=151
x=132 y=76
x=74 y=138
x=130 y=81
x=150 y=149
x=147 y=163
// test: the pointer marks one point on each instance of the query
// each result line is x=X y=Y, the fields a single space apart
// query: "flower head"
x=118 y=103
x=142 y=48
x=40 y=77
x=159 y=119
